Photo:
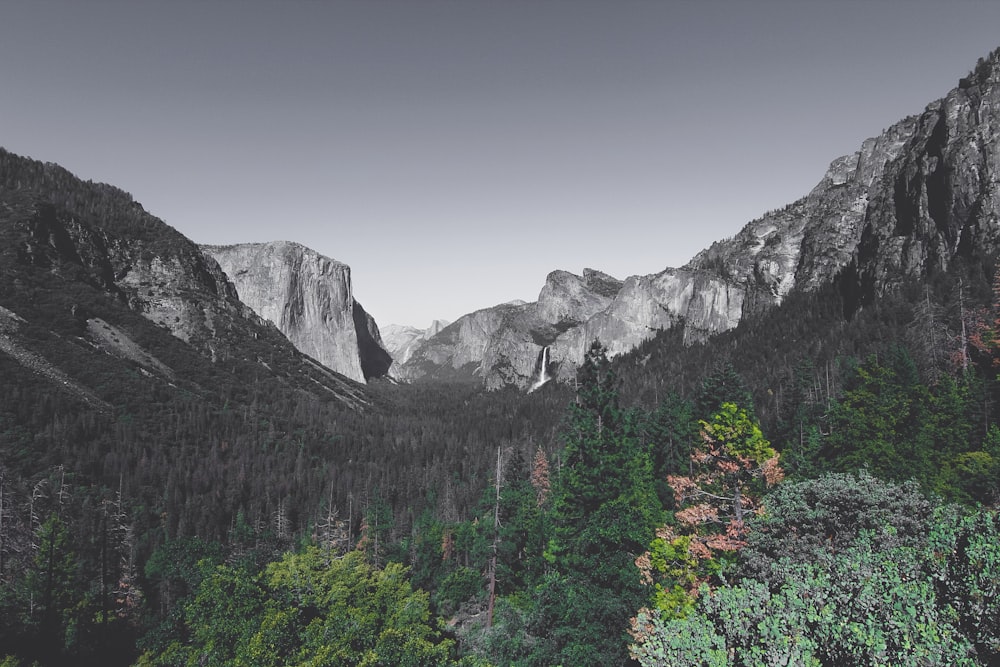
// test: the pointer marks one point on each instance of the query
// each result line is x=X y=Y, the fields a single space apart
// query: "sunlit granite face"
x=903 y=206
x=309 y=298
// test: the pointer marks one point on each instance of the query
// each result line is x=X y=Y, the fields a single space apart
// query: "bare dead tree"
x=496 y=542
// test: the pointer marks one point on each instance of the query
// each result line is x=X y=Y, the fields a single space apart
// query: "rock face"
x=399 y=340
x=505 y=344
x=310 y=299
x=158 y=273
x=904 y=206
x=94 y=281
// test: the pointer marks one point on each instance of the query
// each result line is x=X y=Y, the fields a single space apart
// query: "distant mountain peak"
x=903 y=206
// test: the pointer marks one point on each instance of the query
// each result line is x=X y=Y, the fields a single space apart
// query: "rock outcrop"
x=399 y=340
x=904 y=206
x=505 y=344
x=159 y=273
x=99 y=287
x=310 y=299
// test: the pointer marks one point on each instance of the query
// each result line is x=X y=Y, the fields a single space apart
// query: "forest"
x=818 y=486
x=676 y=534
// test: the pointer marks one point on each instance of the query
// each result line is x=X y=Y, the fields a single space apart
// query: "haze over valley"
x=486 y=334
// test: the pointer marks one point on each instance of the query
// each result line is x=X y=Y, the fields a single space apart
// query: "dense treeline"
x=595 y=522
x=544 y=526
x=882 y=415
x=587 y=563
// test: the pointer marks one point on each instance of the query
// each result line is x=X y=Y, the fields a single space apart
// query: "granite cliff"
x=310 y=299
x=93 y=286
x=505 y=344
x=399 y=340
x=902 y=207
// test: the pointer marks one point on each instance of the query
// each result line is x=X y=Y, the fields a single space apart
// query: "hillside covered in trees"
x=665 y=535
x=180 y=486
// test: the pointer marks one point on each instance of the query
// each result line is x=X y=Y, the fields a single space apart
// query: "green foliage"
x=604 y=500
x=524 y=533
x=604 y=511
x=176 y=567
x=723 y=385
x=677 y=642
x=460 y=585
x=965 y=566
x=730 y=469
x=376 y=529
x=54 y=583
x=896 y=426
x=803 y=520
x=739 y=434
x=675 y=571
x=671 y=429
x=508 y=641
x=865 y=606
x=582 y=621
x=307 y=609
x=845 y=570
x=427 y=560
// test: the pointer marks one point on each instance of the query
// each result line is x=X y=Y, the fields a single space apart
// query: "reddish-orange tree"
x=730 y=469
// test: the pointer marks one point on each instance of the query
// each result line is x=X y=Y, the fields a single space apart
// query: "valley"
x=785 y=451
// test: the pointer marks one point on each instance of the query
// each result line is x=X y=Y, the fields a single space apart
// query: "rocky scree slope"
x=309 y=297
x=904 y=206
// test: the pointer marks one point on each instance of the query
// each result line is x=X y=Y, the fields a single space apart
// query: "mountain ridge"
x=904 y=205
x=80 y=261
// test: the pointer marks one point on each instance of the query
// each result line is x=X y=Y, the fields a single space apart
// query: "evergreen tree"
x=671 y=429
x=54 y=588
x=376 y=529
x=723 y=385
x=604 y=512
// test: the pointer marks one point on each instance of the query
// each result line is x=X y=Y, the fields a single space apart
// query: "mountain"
x=505 y=344
x=86 y=263
x=310 y=299
x=128 y=361
x=151 y=413
x=905 y=205
x=399 y=340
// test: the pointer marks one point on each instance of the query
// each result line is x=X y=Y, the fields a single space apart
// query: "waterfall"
x=543 y=370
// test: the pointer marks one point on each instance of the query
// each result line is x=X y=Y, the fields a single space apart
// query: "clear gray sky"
x=453 y=153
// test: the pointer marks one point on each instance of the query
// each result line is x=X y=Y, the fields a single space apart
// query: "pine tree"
x=54 y=585
x=604 y=512
x=723 y=385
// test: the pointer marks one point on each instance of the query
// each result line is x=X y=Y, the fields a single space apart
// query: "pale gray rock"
x=504 y=344
x=94 y=240
x=166 y=290
x=168 y=281
x=904 y=206
x=159 y=274
x=400 y=339
x=309 y=297
x=568 y=300
x=458 y=350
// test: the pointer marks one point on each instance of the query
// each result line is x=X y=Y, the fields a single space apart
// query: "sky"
x=454 y=153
